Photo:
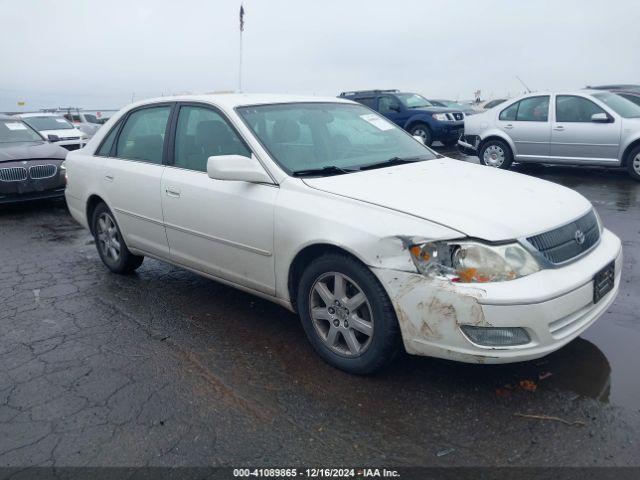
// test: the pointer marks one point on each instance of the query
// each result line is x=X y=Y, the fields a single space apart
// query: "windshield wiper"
x=328 y=170
x=393 y=161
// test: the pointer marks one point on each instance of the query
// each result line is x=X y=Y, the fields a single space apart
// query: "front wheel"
x=633 y=163
x=422 y=130
x=347 y=315
x=111 y=247
x=495 y=153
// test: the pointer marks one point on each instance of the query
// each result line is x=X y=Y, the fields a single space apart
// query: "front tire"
x=347 y=315
x=422 y=130
x=633 y=163
x=110 y=244
x=495 y=153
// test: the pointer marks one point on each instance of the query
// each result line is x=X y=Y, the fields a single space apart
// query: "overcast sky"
x=96 y=54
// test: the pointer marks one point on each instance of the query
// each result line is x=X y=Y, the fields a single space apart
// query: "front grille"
x=13 y=174
x=70 y=138
x=569 y=241
x=42 y=171
x=458 y=115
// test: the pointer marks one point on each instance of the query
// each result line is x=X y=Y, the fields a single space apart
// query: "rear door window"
x=509 y=113
x=107 y=143
x=533 y=109
x=142 y=136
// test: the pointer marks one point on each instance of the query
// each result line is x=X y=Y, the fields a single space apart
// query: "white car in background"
x=325 y=207
x=56 y=129
x=585 y=127
x=85 y=122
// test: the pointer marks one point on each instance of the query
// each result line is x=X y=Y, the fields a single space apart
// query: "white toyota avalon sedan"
x=326 y=208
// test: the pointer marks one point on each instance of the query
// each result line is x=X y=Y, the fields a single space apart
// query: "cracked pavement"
x=167 y=368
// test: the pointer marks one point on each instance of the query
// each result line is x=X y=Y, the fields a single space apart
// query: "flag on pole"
x=241 y=18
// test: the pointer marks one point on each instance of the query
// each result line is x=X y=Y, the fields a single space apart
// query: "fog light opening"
x=496 y=336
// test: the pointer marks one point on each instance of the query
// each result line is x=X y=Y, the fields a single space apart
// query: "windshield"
x=47 y=123
x=15 y=131
x=620 y=105
x=313 y=136
x=413 y=100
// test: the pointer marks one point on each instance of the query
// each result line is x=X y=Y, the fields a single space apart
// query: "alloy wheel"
x=636 y=164
x=341 y=314
x=108 y=237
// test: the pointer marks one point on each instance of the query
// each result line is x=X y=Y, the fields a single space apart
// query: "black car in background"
x=29 y=165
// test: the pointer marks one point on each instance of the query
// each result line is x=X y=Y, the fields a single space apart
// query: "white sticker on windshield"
x=61 y=120
x=378 y=122
x=15 y=126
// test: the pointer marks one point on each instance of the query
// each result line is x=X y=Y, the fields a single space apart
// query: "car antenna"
x=524 y=84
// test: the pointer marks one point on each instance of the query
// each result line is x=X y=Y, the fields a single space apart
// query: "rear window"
x=48 y=123
x=368 y=101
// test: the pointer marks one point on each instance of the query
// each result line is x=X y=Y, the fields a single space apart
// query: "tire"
x=110 y=244
x=422 y=130
x=633 y=163
x=372 y=339
x=495 y=153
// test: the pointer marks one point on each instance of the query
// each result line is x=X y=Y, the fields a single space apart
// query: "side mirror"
x=237 y=168
x=53 y=138
x=600 y=118
x=419 y=139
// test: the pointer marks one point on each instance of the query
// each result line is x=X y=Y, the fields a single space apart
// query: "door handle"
x=172 y=192
x=558 y=128
x=108 y=178
x=508 y=127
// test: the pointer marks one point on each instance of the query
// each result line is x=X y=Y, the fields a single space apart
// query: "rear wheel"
x=633 y=163
x=422 y=130
x=347 y=314
x=495 y=153
x=111 y=247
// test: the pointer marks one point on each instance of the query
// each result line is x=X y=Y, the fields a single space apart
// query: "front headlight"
x=468 y=261
x=441 y=117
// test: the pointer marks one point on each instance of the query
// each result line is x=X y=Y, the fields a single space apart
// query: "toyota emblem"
x=579 y=237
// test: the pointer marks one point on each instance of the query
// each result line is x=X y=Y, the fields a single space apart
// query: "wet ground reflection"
x=601 y=364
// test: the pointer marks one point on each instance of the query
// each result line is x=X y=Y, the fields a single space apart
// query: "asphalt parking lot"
x=167 y=368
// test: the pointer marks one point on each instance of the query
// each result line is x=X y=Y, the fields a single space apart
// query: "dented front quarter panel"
x=430 y=312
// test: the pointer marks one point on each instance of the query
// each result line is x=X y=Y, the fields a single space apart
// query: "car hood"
x=10 y=152
x=479 y=201
x=64 y=133
x=434 y=110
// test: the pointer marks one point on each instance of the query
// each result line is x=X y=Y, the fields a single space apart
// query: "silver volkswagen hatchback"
x=585 y=127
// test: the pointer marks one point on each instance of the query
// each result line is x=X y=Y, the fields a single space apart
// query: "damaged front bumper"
x=554 y=306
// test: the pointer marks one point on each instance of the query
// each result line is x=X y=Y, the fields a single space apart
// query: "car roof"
x=584 y=91
x=38 y=114
x=5 y=117
x=233 y=100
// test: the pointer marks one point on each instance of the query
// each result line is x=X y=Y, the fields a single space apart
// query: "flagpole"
x=240 y=51
x=240 y=65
